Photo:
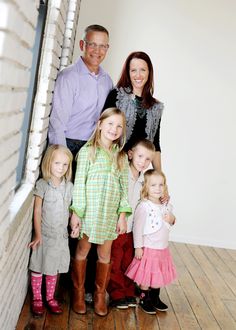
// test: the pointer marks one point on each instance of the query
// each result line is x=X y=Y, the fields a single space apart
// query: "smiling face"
x=140 y=158
x=111 y=129
x=155 y=188
x=59 y=166
x=139 y=72
x=94 y=49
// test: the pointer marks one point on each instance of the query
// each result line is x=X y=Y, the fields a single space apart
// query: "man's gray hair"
x=95 y=28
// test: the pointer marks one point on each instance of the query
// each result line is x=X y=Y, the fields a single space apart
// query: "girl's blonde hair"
x=147 y=175
x=95 y=140
x=47 y=160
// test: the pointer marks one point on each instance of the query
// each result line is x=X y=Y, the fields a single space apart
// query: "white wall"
x=192 y=46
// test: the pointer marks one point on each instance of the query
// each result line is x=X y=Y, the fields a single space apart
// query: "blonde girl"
x=50 y=250
x=152 y=266
x=100 y=204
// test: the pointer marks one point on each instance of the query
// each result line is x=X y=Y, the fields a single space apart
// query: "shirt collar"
x=140 y=178
x=61 y=184
x=83 y=69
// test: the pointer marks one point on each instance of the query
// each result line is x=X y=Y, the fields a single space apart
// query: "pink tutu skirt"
x=155 y=269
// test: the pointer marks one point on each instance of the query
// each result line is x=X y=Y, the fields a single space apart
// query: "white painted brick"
x=8 y=46
x=37 y=138
x=4 y=212
x=13 y=76
x=10 y=124
x=41 y=111
x=56 y=16
x=60 y=23
x=28 y=9
x=66 y=52
x=11 y=20
x=22 y=198
x=70 y=25
x=31 y=176
x=52 y=44
x=71 y=15
x=50 y=58
x=9 y=145
x=67 y=43
x=8 y=167
x=69 y=33
x=5 y=189
x=35 y=151
x=40 y=124
x=14 y=262
x=64 y=62
x=4 y=225
x=55 y=31
x=60 y=3
x=11 y=100
x=43 y=98
x=28 y=34
x=14 y=254
x=49 y=71
x=46 y=86
x=72 y=5
x=33 y=164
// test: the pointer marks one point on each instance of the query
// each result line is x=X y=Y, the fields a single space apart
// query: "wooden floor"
x=203 y=297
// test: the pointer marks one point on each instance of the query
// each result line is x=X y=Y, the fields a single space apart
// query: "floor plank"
x=196 y=300
x=211 y=272
x=167 y=320
x=202 y=297
x=124 y=319
x=207 y=288
x=223 y=268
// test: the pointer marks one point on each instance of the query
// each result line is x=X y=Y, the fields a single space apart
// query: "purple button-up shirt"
x=79 y=96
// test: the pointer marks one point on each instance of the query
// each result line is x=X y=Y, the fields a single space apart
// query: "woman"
x=134 y=96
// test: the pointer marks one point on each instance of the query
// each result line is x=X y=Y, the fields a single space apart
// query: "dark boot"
x=145 y=302
x=78 y=278
x=102 y=278
x=156 y=301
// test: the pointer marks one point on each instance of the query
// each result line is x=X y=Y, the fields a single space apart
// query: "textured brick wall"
x=18 y=20
x=58 y=45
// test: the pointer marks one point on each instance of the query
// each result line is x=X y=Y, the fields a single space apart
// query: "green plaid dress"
x=100 y=194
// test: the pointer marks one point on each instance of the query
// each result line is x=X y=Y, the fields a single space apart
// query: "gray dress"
x=53 y=256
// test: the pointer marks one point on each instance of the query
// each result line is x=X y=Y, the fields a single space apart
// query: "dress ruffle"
x=155 y=269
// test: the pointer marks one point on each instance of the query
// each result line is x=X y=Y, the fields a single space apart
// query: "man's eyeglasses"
x=93 y=45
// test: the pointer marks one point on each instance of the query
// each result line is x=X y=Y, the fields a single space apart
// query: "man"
x=79 y=95
x=80 y=92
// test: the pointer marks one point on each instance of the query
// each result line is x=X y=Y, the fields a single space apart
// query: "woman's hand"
x=138 y=253
x=75 y=224
x=121 y=227
x=36 y=241
x=165 y=199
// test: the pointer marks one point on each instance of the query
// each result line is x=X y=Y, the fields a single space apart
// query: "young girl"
x=50 y=254
x=100 y=204
x=152 y=266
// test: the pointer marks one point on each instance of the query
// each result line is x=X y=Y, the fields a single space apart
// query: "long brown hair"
x=148 y=89
x=95 y=140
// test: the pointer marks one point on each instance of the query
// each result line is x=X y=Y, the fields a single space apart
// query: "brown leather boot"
x=78 y=278
x=102 y=278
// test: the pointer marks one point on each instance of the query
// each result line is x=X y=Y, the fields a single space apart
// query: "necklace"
x=140 y=110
